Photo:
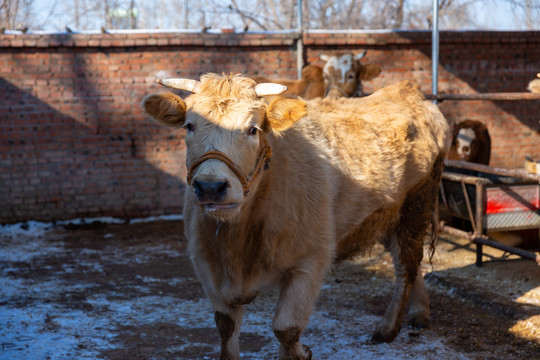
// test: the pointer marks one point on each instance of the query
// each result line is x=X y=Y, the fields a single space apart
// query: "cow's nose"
x=210 y=191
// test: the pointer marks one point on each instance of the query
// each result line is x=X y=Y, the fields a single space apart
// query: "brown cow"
x=343 y=74
x=310 y=86
x=534 y=85
x=344 y=174
x=532 y=166
x=471 y=142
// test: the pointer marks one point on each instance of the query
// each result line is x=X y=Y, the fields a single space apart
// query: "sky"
x=496 y=15
x=491 y=15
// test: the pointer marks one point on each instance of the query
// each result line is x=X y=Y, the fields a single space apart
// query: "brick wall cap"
x=215 y=37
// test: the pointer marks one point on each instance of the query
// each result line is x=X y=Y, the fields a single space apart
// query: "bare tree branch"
x=246 y=18
x=262 y=14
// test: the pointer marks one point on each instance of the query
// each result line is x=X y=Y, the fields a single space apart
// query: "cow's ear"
x=166 y=108
x=369 y=71
x=282 y=113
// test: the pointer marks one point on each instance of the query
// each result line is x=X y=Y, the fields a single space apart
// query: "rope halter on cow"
x=261 y=164
x=265 y=154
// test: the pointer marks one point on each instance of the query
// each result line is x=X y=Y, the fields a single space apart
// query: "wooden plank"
x=518 y=173
x=501 y=96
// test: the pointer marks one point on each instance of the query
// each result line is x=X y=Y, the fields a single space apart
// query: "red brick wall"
x=74 y=143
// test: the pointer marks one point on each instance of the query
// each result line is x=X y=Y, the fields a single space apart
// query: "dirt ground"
x=128 y=291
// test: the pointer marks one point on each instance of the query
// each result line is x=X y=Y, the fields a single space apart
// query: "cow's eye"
x=350 y=77
x=189 y=126
x=253 y=130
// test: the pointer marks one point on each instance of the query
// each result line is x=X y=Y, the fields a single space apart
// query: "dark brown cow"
x=471 y=142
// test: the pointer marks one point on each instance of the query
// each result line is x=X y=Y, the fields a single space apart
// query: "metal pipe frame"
x=517 y=173
x=435 y=51
x=481 y=240
x=478 y=237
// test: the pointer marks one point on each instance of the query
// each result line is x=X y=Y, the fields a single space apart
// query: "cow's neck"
x=239 y=245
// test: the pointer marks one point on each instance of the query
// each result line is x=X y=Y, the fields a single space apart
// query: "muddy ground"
x=127 y=291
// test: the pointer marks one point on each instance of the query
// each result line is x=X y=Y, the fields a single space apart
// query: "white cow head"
x=343 y=74
x=226 y=121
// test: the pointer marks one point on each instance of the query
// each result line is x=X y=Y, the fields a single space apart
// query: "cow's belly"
x=258 y=284
x=363 y=214
x=365 y=234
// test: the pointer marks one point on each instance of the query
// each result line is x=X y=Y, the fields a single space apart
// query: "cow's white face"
x=226 y=126
x=230 y=127
x=343 y=74
x=464 y=143
x=340 y=75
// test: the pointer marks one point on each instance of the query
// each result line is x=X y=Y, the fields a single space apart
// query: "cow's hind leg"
x=419 y=314
x=405 y=273
x=406 y=247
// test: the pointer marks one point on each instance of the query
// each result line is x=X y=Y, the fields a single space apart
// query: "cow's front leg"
x=228 y=322
x=298 y=294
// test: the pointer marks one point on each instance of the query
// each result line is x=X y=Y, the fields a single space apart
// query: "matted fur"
x=344 y=174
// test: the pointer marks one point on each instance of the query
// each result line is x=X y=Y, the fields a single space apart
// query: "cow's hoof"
x=307 y=350
x=380 y=336
x=288 y=355
x=419 y=322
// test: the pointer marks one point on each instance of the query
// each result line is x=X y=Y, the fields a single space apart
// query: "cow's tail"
x=435 y=227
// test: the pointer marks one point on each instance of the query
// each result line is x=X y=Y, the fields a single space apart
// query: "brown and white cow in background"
x=344 y=73
x=344 y=174
x=471 y=142
x=309 y=86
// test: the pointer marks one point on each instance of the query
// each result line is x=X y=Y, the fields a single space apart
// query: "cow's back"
x=367 y=153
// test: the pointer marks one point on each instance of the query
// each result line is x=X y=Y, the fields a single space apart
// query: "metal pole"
x=300 y=41
x=517 y=251
x=435 y=50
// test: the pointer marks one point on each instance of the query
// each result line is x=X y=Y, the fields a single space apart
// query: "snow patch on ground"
x=42 y=329
x=37 y=228
x=39 y=320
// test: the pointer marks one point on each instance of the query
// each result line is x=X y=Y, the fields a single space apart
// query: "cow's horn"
x=360 y=56
x=181 y=84
x=265 y=89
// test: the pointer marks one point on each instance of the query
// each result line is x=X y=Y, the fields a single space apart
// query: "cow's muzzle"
x=217 y=190
x=334 y=91
x=212 y=192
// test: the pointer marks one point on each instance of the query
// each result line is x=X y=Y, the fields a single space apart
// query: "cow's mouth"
x=221 y=211
x=218 y=206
